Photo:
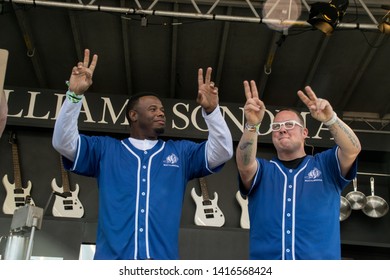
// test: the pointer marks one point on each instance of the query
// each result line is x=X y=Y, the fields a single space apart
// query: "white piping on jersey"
x=77 y=154
x=337 y=159
x=147 y=200
x=136 y=203
x=206 y=159
x=293 y=209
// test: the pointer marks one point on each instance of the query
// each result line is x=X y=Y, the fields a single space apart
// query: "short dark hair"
x=295 y=112
x=133 y=100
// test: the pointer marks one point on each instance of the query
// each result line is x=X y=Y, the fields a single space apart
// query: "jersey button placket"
x=142 y=212
x=288 y=218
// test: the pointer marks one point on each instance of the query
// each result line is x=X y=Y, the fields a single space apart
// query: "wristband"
x=253 y=127
x=332 y=120
x=73 y=97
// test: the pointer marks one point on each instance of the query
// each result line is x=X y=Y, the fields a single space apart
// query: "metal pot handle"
x=372 y=186
x=354 y=182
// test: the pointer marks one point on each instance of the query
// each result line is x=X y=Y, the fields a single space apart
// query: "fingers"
x=303 y=97
x=207 y=78
x=311 y=100
x=208 y=75
x=93 y=63
x=250 y=90
x=200 y=77
x=255 y=93
x=86 y=57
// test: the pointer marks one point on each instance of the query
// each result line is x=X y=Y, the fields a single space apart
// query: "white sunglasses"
x=276 y=126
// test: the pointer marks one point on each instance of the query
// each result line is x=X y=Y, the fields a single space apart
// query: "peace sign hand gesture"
x=320 y=109
x=207 y=91
x=254 y=108
x=81 y=78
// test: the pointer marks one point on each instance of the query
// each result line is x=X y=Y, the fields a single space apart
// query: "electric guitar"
x=207 y=210
x=17 y=196
x=67 y=204
x=244 y=220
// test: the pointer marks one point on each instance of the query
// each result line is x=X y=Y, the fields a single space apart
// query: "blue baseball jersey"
x=140 y=193
x=294 y=213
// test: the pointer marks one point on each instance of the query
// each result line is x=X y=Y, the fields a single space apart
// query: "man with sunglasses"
x=294 y=199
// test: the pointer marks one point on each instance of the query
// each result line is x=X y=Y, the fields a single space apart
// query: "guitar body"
x=70 y=206
x=16 y=197
x=244 y=220
x=207 y=211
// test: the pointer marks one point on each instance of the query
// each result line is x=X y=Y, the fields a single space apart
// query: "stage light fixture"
x=326 y=16
x=384 y=26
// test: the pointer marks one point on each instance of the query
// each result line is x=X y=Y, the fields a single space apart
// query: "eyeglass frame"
x=284 y=124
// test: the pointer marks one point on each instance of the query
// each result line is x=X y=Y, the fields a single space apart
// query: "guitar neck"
x=16 y=165
x=65 y=178
x=203 y=188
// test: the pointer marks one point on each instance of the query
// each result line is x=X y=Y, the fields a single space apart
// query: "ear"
x=133 y=115
x=305 y=133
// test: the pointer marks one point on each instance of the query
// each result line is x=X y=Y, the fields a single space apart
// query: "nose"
x=282 y=129
x=161 y=113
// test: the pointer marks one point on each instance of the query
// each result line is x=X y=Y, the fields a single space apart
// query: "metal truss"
x=146 y=8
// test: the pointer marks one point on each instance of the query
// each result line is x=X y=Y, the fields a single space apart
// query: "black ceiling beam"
x=32 y=51
x=126 y=51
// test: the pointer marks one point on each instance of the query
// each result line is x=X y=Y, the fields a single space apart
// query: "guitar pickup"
x=208 y=211
x=18 y=191
x=68 y=207
x=67 y=202
x=206 y=202
x=19 y=199
x=209 y=216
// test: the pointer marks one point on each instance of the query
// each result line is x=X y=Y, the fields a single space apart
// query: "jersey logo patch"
x=314 y=175
x=171 y=160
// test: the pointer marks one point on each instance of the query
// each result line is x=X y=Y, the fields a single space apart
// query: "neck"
x=290 y=156
x=136 y=134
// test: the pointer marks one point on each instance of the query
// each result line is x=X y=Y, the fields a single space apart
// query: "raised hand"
x=254 y=108
x=81 y=77
x=320 y=109
x=207 y=91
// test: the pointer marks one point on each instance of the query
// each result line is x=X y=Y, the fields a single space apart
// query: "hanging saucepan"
x=376 y=207
x=357 y=199
x=345 y=208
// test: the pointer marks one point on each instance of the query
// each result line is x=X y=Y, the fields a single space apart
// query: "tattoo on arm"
x=352 y=138
x=246 y=149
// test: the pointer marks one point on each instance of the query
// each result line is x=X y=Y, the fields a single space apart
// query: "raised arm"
x=65 y=135
x=345 y=138
x=254 y=110
x=219 y=142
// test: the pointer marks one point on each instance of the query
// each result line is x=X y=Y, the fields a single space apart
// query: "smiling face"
x=289 y=143
x=147 y=118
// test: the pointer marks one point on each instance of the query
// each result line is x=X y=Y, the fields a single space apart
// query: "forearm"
x=345 y=138
x=246 y=156
x=66 y=134
x=219 y=142
x=349 y=144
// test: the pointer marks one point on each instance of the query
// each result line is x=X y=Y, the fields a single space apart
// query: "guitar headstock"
x=12 y=138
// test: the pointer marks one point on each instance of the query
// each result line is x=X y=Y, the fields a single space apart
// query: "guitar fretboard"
x=16 y=164
x=204 y=190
